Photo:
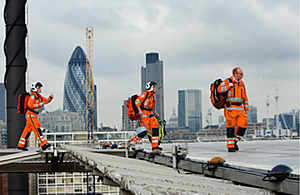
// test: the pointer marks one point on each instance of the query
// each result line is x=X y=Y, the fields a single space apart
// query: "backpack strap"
x=225 y=97
x=38 y=97
x=142 y=105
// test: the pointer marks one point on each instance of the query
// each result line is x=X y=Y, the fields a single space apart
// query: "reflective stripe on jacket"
x=148 y=103
x=236 y=94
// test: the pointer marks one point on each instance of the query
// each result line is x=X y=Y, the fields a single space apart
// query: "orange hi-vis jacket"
x=146 y=105
x=147 y=101
x=34 y=103
x=236 y=96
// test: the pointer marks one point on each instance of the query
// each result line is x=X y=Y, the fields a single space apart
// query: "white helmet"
x=150 y=85
x=35 y=86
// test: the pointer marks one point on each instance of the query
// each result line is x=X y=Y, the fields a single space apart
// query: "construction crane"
x=267 y=105
x=89 y=112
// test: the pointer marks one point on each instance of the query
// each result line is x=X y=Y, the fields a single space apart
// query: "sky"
x=197 y=40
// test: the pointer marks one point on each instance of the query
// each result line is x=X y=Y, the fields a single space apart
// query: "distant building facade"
x=3 y=134
x=2 y=103
x=72 y=183
x=252 y=114
x=286 y=120
x=74 y=99
x=271 y=122
x=153 y=71
x=62 y=121
x=213 y=132
x=190 y=109
x=297 y=122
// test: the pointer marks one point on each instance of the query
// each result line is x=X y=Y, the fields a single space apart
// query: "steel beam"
x=238 y=174
x=18 y=157
x=287 y=186
x=29 y=167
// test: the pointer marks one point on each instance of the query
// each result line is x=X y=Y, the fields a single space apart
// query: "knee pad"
x=241 y=131
x=154 y=126
x=155 y=131
x=28 y=134
x=230 y=132
x=40 y=131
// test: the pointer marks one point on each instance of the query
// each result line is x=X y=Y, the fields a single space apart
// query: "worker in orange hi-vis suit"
x=146 y=106
x=35 y=103
x=237 y=107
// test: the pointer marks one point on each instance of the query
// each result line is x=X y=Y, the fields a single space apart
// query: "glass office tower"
x=190 y=109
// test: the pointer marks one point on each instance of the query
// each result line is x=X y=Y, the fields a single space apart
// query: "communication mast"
x=89 y=112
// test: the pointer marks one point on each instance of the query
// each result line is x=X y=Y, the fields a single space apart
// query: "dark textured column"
x=14 y=79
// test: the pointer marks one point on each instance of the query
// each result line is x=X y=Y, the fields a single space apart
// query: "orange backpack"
x=22 y=103
x=133 y=112
x=217 y=99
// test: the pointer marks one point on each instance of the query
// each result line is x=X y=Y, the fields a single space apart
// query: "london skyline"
x=198 y=41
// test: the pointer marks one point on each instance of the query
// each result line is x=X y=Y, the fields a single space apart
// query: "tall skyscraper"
x=2 y=103
x=154 y=72
x=75 y=85
x=190 y=109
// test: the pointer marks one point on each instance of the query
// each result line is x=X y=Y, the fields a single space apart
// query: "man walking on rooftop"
x=236 y=109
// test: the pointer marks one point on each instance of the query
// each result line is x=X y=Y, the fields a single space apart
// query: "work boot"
x=45 y=146
x=236 y=147
x=239 y=138
x=231 y=149
x=157 y=148
x=24 y=149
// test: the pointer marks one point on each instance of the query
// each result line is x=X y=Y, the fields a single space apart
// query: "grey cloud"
x=198 y=41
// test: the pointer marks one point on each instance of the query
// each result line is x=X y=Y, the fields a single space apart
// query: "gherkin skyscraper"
x=75 y=85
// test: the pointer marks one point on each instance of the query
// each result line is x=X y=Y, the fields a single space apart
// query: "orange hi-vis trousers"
x=152 y=126
x=236 y=124
x=32 y=124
